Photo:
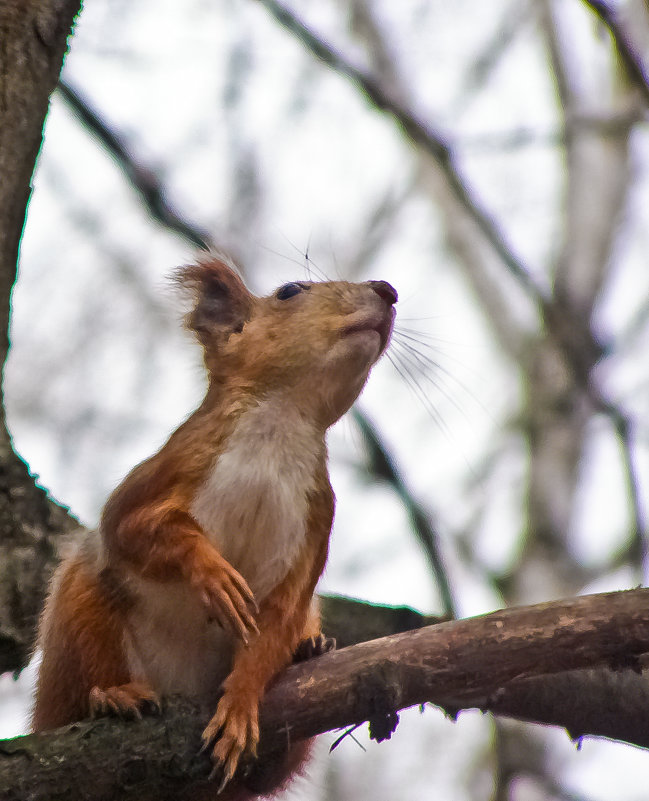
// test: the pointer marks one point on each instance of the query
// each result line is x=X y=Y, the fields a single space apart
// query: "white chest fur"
x=253 y=507
x=253 y=504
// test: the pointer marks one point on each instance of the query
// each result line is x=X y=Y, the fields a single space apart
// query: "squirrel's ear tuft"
x=221 y=301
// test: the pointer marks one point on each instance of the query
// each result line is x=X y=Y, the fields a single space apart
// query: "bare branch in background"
x=474 y=258
x=420 y=133
x=382 y=467
x=560 y=72
x=597 y=164
x=380 y=220
x=561 y=394
x=485 y=63
x=144 y=179
x=630 y=57
x=638 y=551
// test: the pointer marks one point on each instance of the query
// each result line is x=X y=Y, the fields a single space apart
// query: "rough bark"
x=33 y=40
x=475 y=662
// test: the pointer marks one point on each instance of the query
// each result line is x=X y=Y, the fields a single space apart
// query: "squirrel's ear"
x=222 y=302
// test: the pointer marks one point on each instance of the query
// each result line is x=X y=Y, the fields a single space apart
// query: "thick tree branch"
x=599 y=702
x=458 y=664
x=350 y=621
x=33 y=39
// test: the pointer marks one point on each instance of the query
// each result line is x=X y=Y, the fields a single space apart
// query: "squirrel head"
x=312 y=344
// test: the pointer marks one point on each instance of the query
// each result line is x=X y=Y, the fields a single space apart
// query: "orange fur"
x=202 y=577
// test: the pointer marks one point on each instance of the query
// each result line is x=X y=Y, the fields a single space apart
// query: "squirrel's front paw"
x=226 y=596
x=234 y=730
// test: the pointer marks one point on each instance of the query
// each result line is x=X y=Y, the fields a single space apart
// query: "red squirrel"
x=201 y=576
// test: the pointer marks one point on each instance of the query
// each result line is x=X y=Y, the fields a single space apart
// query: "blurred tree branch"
x=479 y=262
x=566 y=314
x=382 y=467
x=481 y=67
x=419 y=132
x=630 y=57
x=459 y=664
x=144 y=179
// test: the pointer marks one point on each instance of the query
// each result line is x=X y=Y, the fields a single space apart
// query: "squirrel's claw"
x=234 y=730
x=227 y=597
x=126 y=701
x=312 y=647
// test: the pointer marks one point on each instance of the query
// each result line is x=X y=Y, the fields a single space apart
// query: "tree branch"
x=480 y=662
x=143 y=178
x=628 y=54
x=33 y=40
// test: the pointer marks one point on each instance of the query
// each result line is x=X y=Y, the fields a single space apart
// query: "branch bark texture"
x=33 y=40
x=458 y=664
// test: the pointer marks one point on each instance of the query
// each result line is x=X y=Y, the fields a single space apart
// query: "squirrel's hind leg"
x=81 y=636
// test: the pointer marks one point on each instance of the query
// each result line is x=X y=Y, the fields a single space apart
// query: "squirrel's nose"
x=385 y=291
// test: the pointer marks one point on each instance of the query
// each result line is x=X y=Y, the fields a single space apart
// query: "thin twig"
x=143 y=178
x=636 y=70
x=580 y=182
x=383 y=467
x=574 y=338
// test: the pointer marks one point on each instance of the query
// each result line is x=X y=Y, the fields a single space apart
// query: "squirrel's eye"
x=287 y=291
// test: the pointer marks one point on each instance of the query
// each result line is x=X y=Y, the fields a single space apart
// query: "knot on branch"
x=381 y=727
x=380 y=692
